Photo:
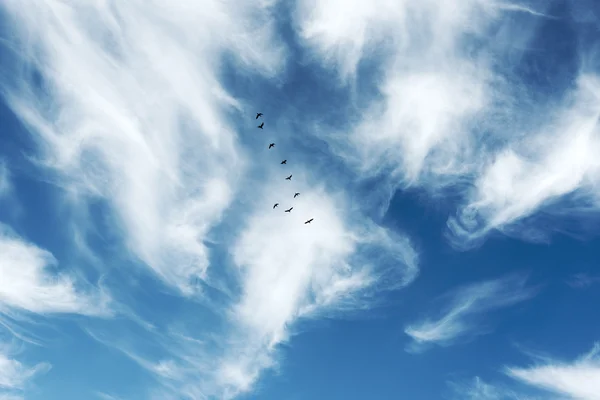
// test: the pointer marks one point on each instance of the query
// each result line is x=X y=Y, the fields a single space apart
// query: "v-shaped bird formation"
x=284 y=162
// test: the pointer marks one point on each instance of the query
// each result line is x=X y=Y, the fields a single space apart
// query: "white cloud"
x=14 y=375
x=291 y=271
x=551 y=379
x=432 y=88
x=539 y=169
x=286 y=272
x=578 y=380
x=465 y=307
x=448 y=113
x=480 y=390
x=133 y=112
x=28 y=284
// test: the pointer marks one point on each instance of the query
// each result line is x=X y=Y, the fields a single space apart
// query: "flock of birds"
x=289 y=178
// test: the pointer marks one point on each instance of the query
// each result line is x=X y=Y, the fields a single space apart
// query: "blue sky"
x=447 y=151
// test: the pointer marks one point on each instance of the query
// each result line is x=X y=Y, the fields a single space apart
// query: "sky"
x=446 y=152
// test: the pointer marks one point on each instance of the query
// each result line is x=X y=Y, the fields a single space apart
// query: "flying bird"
x=289 y=210
x=258 y=115
x=271 y=145
x=289 y=178
x=296 y=194
x=309 y=221
x=276 y=204
x=261 y=125
x=284 y=162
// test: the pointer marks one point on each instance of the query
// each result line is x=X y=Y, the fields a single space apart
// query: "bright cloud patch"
x=444 y=105
x=14 y=375
x=132 y=112
x=287 y=271
x=27 y=284
x=430 y=92
x=290 y=271
x=465 y=308
x=142 y=115
x=578 y=380
x=558 y=161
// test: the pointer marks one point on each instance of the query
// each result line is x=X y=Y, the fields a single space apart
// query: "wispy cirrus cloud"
x=432 y=90
x=549 y=379
x=465 y=307
x=15 y=376
x=449 y=114
x=134 y=112
x=540 y=168
x=477 y=389
x=291 y=271
x=579 y=379
x=287 y=272
x=28 y=285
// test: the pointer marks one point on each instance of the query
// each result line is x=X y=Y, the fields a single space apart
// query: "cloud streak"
x=449 y=116
x=28 y=285
x=14 y=375
x=477 y=389
x=466 y=305
x=430 y=91
x=131 y=111
x=292 y=271
x=542 y=168
x=578 y=380
x=286 y=272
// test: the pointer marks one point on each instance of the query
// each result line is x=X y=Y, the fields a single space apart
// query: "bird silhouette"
x=261 y=125
x=296 y=194
x=289 y=209
x=284 y=162
x=276 y=204
x=309 y=221
x=289 y=178
x=271 y=145
x=258 y=115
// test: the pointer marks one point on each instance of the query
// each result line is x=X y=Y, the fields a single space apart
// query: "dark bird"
x=289 y=210
x=261 y=125
x=289 y=178
x=276 y=204
x=271 y=145
x=284 y=162
x=309 y=221
x=296 y=194
x=258 y=115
